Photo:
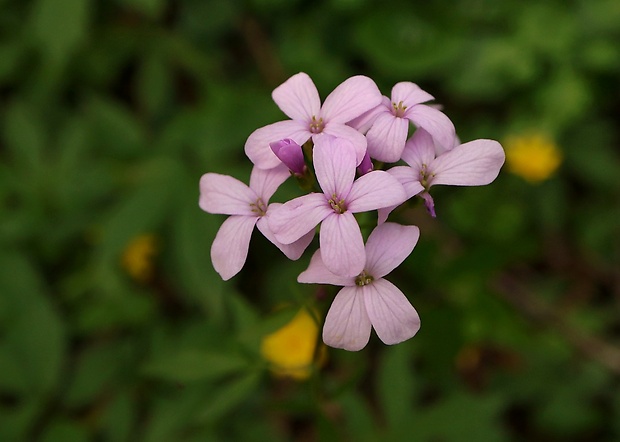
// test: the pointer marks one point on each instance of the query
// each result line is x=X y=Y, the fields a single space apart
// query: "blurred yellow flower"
x=534 y=157
x=290 y=350
x=137 y=259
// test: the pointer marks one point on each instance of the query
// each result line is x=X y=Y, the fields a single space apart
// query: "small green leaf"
x=65 y=430
x=395 y=385
x=95 y=371
x=60 y=26
x=119 y=418
x=150 y=8
x=361 y=419
x=154 y=83
x=194 y=365
x=460 y=414
x=25 y=138
x=228 y=396
x=35 y=336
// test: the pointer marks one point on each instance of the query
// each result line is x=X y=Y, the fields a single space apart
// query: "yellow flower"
x=290 y=349
x=137 y=259
x=534 y=157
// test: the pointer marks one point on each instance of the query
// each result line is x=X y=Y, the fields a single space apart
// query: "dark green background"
x=112 y=110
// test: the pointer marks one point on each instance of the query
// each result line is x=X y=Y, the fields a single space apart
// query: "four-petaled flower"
x=475 y=163
x=247 y=206
x=388 y=123
x=299 y=99
x=340 y=237
x=367 y=300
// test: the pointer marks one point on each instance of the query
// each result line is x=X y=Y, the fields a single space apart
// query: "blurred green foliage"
x=112 y=110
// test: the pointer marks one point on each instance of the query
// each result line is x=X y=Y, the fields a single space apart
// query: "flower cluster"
x=352 y=155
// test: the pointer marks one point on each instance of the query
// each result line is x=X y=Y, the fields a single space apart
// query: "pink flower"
x=299 y=99
x=247 y=206
x=340 y=237
x=475 y=163
x=388 y=123
x=367 y=300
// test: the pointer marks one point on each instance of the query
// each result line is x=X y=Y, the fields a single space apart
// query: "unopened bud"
x=290 y=153
x=366 y=165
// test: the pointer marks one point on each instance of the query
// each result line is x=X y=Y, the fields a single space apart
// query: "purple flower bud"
x=290 y=153
x=366 y=165
x=429 y=203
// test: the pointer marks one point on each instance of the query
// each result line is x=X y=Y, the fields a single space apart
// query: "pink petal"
x=347 y=324
x=225 y=195
x=383 y=214
x=298 y=98
x=318 y=273
x=388 y=246
x=374 y=190
x=420 y=150
x=293 y=250
x=230 y=247
x=265 y=182
x=409 y=178
x=434 y=122
x=350 y=99
x=365 y=121
x=257 y=145
x=390 y=312
x=387 y=137
x=334 y=165
x=342 y=245
x=347 y=133
x=410 y=94
x=471 y=164
x=295 y=218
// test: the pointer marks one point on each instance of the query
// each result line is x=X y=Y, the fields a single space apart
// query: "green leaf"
x=65 y=430
x=18 y=420
x=172 y=415
x=25 y=138
x=360 y=418
x=401 y=41
x=228 y=396
x=11 y=53
x=115 y=129
x=60 y=26
x=395 y=385
x=119 y=418
x=142 y=210
x=154 y=83
x=190 y=365
x=253 y=333
x=151 y=8
x=192 y=235
x=459 y=414
x=35 y=337
x=95 y=372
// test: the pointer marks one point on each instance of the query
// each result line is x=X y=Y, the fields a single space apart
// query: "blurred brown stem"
x=591 y=346
x=262 y=51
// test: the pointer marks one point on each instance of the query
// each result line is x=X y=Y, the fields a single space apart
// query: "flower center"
x=259 y=207
x=399 y=109
x=338 y=205
x=425 y=176
x=363 y=279
x=316 y=126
